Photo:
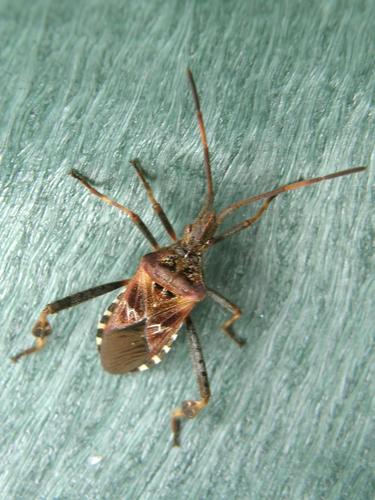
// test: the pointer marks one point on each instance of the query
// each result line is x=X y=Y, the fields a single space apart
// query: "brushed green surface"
x=287 y=91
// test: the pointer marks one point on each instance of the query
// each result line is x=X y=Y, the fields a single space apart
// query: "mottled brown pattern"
x=163 y=313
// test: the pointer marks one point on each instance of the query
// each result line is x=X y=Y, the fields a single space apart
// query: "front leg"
x=191 y=407
x=42 y=327
x=236 y=313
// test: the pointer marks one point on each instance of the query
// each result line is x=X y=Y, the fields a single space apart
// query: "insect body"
x=139 y=327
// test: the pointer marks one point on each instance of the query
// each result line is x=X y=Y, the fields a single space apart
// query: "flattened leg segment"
x=191 y=407
x=42 y=328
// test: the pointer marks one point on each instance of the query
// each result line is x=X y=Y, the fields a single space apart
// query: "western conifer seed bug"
x=141 y=324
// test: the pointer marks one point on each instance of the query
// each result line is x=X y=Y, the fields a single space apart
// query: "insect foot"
x=189 y=409
x=40 y=330
x=42 y=327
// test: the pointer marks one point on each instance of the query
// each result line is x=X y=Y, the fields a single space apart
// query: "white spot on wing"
x=154 y=329
x=131 y=313
x=142 y=368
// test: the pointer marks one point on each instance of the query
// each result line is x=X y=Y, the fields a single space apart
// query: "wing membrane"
x=125 y=349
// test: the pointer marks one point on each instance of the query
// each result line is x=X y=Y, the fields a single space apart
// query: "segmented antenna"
x=207 y=165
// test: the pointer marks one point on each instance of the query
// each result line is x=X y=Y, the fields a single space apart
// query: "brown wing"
x=164 y=322
x=124 y=350
x=140 y=325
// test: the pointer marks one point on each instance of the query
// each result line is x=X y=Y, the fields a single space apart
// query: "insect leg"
x=191 y=408
x=42 y=328
x=236 y=313
x=133 y=216
x=243 y=225
x=155 y=205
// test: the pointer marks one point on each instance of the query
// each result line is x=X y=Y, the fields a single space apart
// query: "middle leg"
x=236 y=313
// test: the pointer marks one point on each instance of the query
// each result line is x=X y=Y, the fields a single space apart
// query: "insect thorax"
x=177 y=270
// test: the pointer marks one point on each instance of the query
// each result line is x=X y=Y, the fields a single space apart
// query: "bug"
x=139 y=327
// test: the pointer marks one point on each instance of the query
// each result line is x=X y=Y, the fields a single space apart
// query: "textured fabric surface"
x=287 y=92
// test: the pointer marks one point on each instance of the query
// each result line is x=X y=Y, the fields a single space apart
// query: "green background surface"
x=287 y=91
